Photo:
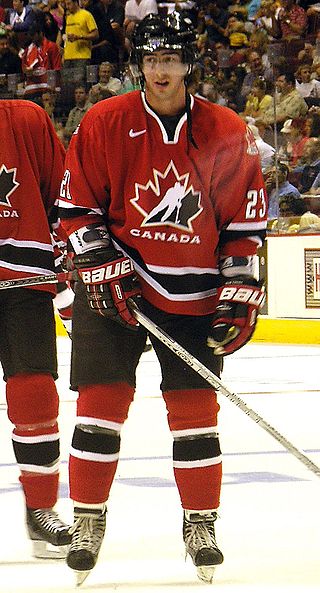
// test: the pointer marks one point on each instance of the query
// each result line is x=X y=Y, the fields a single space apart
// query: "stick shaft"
x=213 y=380
x=35 y=280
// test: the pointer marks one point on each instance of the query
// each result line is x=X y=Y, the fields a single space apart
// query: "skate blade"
x=81 y=576
x=46 y=551
x=205 y=573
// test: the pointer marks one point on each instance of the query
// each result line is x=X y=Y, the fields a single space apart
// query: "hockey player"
x=168 y=188
x=31 y=166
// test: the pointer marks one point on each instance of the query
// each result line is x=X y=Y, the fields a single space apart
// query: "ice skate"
x=87 y=536
x=200 y=542
x=49 y=535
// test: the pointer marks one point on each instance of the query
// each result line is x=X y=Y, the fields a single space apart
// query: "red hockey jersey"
x=172 y=208
x=31 y=168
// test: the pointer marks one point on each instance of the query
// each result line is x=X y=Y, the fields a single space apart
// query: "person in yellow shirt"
x=81 y=30
x=258 y=100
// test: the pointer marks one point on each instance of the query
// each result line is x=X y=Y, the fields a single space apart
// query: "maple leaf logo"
x=8 y=184
x=178 y=205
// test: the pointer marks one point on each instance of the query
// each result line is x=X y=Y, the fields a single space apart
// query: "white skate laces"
x=87 y=536
x=200 y=542
x=49 y=535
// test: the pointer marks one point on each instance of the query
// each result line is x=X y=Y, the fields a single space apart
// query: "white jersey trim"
x=171 y=270
x=65 y=204
x=161 y=126
x=246 y=226
x=20 y=268
x=194 y=296
x=27 y=244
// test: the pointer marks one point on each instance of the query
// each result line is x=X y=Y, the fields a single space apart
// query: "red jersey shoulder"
x=108 y=108
x=24 y=116
x=127 y=102
x=224 y=119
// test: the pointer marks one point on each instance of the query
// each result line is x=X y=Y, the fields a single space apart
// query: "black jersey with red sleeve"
x=174 y=209
x=31 y=168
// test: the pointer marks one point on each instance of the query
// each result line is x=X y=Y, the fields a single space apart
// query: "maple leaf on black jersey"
x=8 y=184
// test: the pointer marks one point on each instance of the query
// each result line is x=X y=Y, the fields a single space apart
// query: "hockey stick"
x=34 y=280
x=213 y=380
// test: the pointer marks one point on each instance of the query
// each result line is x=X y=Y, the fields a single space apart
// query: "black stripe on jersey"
x=97 y=442
x=67 y=213
x=186 y=283
x=234 y=235
x=27 y=256
x=39 y=453
x=175 y=283
x=195 y=449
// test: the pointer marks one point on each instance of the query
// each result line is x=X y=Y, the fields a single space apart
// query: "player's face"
x=164 y=73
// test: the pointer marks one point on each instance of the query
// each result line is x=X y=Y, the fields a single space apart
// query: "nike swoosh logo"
x=134 y=134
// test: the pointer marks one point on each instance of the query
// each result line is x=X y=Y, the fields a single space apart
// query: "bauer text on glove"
x=110 y=281
x=233 y=324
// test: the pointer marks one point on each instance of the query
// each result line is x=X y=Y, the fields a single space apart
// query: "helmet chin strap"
x=188 y=109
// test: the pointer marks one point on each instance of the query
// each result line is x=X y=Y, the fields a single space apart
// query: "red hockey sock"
x=192 y=416
x=41 y=491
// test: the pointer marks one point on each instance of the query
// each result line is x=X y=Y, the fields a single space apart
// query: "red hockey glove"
x=239 y=301
x=110 y=281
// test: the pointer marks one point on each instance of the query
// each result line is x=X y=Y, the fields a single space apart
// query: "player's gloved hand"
x=63 y=302
x=239 y=301
x=110 y=281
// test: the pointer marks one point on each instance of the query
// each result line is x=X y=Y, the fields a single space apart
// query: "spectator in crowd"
x=81 y=31
x=264 y=18
x=312 y=125
x=256 y=70
x=305 y=55
x=114 y=13
x=307 y=88
x=315 y=187
x=82 y=105
x=135 y=11
x=315 y=73
x=10 y=63
x=216 y=20
x=40 y=56
x=2 y=13
x=48 y=102
x=289 y=103
x=61 y=133
x=294 y=130
x=290 y=22
x=50 y=27
x=235 y=32
x=107 y=86
x=57 y=10
x=309 y=164
x=105 y=47
x=266 y=151
x=277 y=185
x=258 y=100
x=20 y=17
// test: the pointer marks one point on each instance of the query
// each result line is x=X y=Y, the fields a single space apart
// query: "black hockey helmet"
x=174 y=32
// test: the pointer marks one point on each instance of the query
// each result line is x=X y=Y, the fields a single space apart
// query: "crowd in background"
x=260 y=58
